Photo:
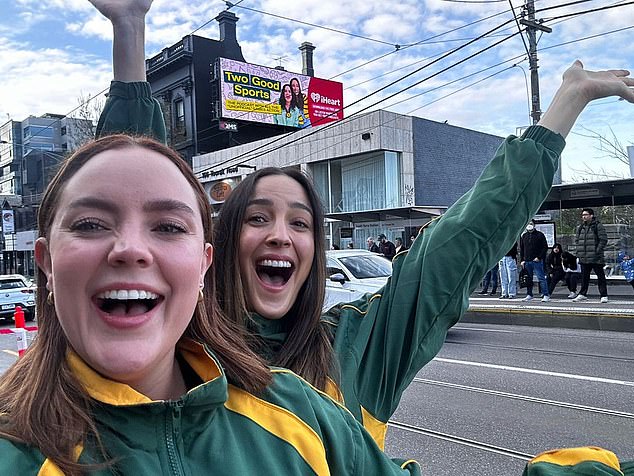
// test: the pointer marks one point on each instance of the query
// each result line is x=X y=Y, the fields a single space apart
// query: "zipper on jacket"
x=172 y=432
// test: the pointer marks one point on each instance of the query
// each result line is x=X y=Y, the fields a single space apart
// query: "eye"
x=170 y=227
x=301 y=224
x=88 y=225
x=256 y=219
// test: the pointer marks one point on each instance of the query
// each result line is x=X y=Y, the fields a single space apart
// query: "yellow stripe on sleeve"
x=573 y=456
x=282 y=423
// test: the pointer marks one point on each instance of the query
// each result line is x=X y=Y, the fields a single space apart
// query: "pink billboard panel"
x=255 y=93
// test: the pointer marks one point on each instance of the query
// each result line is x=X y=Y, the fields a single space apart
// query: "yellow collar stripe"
x=49 y=468
x=103 y=389
x=283 y=424
x=573 y=456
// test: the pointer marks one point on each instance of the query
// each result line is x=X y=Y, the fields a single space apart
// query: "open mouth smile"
x=274 y=272
x=127 y=302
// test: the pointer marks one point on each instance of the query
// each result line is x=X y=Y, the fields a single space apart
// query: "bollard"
x=20 y=332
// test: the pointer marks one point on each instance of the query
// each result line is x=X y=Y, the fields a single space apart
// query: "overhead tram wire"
x=498 y=64
x=355 y=35
x=427 y=40
x=365 y=97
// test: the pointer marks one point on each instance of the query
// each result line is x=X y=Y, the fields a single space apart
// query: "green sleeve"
x=587 y=460
x=382 y=342
x=131 y=109
x=19 y=460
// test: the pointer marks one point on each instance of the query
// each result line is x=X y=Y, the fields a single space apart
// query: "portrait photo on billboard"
x=259 y=94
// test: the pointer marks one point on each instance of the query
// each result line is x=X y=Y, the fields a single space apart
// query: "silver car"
x=16 y=290
x=352 y=273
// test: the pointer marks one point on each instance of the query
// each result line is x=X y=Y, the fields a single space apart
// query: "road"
x=496 y=395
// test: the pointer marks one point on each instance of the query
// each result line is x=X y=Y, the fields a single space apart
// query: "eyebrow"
x=269 y=203
x=153 y=206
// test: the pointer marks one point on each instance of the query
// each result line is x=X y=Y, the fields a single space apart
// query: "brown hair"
x=40 y=396
x=307 y=349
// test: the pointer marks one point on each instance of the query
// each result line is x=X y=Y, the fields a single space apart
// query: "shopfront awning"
x=388 y=214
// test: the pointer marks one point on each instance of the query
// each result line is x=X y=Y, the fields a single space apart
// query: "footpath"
x=615 y=315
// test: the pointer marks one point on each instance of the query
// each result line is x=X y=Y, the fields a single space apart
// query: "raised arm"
x=128 y=46
x=130 y=107
x=578 y=88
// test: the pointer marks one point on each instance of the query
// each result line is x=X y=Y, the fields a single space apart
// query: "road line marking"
x=538 y=372
x=12 y=352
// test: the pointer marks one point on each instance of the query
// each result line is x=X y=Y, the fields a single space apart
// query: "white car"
x=16 y=290
x=352 y=273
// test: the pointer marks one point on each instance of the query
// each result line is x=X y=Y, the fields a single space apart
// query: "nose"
x=279 y=235
x=130 y=248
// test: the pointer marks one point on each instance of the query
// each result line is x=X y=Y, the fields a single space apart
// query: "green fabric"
x=587 y=468
x=198 y=434
x=131 y=109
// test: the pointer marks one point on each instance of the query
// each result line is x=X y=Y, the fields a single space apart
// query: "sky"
x=53 y=53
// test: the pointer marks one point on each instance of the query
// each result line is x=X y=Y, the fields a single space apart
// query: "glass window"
x=179 y=117
x=367 y=266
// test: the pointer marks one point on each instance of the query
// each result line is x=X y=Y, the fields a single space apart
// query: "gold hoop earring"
x=50 y=299
x=201 y=296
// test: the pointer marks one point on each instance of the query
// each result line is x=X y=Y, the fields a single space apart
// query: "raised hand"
x=600 y=84
x=578 y=88
x=116 y=9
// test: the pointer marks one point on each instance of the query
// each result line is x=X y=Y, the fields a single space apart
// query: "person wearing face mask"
x=533 y=248
x=591 y=239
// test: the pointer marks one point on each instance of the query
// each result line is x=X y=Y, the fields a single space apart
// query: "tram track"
x=526 y=398
x=461 y=440
x=541 y=351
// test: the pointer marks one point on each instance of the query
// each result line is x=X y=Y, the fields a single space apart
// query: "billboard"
x=255 y=93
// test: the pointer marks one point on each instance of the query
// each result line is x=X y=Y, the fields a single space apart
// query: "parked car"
x=16 y=290
x=352 y=273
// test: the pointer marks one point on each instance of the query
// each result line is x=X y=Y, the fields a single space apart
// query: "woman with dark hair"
x=135 y=370
x=289 y=115
x=302 y=102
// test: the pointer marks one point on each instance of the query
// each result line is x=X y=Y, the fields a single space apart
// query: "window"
x=179 y=117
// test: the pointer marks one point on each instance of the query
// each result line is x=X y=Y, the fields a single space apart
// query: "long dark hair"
x=307 y=350
x=283 y=99
x=39 y=394
x=299 y=97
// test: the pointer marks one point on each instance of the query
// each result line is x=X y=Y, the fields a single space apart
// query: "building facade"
x=379 y=172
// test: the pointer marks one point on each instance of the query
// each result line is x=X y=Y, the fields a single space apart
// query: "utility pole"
x=531 y=29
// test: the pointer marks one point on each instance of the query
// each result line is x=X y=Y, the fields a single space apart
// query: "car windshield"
x=367 y=266
x=11 y=284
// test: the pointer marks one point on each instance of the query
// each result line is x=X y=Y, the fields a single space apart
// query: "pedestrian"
x=335 y=247
x=627 y=266
x=508 y=273
x=428 y=290
x=350 y=245
x=554 y=267
x=490 y=278
x=572 y=267
x=533 y=249
x=386 y=247
x=399 y=246
x=372 y=246
x=591 y=239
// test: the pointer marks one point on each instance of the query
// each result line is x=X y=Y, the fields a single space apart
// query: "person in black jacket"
x=386 y=247
x=554 y=267
x=533 y=248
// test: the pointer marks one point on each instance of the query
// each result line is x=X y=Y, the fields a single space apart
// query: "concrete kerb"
x=593 y=320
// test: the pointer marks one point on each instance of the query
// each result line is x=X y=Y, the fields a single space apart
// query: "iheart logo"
x=315 y=97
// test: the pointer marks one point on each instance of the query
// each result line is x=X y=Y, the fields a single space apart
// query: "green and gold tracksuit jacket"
x=216 y=428
x=381 y=341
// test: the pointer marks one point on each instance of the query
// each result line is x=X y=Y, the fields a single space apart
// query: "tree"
x=610 y=148
x=84 y=120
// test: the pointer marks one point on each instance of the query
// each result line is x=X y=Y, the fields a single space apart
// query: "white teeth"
x=275 y=263
x=127 y=294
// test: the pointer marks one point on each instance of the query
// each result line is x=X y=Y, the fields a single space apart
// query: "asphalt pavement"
x=615 y=315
